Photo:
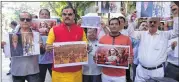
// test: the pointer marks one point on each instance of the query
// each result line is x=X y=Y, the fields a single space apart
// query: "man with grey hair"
x=152 y=49
x=25 y=67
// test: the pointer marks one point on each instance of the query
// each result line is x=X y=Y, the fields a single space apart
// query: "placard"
x=70 y=53
x=91 y=22
x=43 y=25
x=18 y=45
x=115 y=56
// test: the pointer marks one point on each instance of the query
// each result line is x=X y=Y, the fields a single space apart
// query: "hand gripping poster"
x=26 y=44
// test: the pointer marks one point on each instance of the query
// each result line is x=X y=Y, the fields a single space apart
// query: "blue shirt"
x=46 y=58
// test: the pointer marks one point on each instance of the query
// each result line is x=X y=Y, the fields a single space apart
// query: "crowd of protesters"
x=153 y=49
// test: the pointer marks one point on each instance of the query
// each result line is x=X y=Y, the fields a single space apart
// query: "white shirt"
x=173 y=54
x=91 y=68
x=153 y=48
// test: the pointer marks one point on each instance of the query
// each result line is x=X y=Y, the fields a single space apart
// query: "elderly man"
x=152 y=49
x=25 y=68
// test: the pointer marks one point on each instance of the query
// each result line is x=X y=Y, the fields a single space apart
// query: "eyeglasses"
x=27 y=19
x=174 y=9
x=144 y=25
x=69 y=14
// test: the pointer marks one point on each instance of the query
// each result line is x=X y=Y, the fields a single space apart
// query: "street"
x=5 y=69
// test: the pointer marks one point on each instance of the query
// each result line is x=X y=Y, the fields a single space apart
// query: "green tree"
x=131 y=6
x=56 y=7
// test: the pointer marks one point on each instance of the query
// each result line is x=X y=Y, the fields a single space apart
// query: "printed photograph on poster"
x=146 y=9
x=109 y=7
x=16 y=48
x=153 y=9
x=30 y=44
x=43 y=25
x=161 y=9
x=70 y=53
x=114 y=7
x=142 y=23
x=166 y=24
x=104 y=6
x=22 y=45
x=91 y=22
x=114 y=56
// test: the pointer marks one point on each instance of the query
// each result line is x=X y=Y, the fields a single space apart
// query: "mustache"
x=67 y=19
x=152 y=25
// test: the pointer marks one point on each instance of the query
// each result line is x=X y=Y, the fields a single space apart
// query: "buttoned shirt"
x=152 y=48
x=91 y=68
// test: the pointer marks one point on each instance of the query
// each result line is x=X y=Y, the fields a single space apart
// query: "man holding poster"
x=91 y=72
x=66 y=31
x=115 y=38
x=25 y=67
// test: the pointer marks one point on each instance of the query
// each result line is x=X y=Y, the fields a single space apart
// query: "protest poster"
x=153 y=9
x=43 y=25
x=70 y=53
x=91 y=22
x=18 y=45
x=140 y=20
x=109 y=6
x=104 y=6
x=114 y=7
x=115 y=56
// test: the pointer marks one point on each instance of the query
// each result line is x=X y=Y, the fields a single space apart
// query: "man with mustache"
x=25 y=67
x=66 y=31
x=152 y=49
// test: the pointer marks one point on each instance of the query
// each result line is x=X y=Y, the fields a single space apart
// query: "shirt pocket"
x=159 y=45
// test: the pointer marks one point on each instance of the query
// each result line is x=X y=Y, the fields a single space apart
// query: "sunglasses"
x=27 y=19
x=174 y=9
x=144 y=25
x=69 y=14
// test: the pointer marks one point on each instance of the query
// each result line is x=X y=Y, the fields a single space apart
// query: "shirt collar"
x=156 y=33
x=20 y=29
x=92 y=41
x=66 y=25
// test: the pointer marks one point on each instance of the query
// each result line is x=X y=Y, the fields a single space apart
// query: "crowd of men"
x=150 y=49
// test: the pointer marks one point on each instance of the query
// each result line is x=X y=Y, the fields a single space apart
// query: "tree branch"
x=53 y=9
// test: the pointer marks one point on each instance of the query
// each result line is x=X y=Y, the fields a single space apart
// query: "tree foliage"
x=131 y=6
x=56 y=7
